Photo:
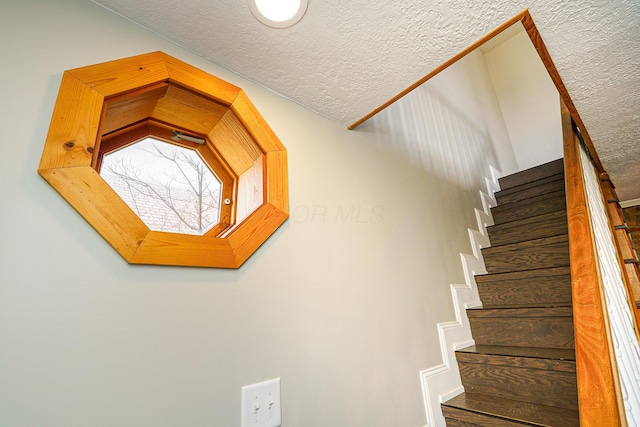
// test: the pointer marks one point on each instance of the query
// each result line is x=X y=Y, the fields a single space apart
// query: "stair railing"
x=622 y=236
x=605 y=314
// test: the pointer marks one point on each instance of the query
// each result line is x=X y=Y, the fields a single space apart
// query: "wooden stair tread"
x=495 y=411
x=532 y=220
x=510 y=247
x=548 y=287
x=527 y=305
x=535 y=227
x=541 y=381
x=530 y=184
x=531 y=189
x=545 y=252
x=543 y=327
x=559 y=311
x=538 y=205
x=523 y=352
x=532 y=174
x=524 y=274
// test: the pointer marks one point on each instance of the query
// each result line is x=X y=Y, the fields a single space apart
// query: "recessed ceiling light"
x=278 y=13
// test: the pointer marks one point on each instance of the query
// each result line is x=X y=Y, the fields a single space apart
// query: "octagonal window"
x=168 y=186
x=171 y=165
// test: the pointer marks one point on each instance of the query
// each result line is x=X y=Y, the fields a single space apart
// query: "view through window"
x=168 y=186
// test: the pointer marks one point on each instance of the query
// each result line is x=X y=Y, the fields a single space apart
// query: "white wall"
x=450 y=126
x=341 y=302
x=529 y=101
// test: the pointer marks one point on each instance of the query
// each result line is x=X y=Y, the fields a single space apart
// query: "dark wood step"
x=536 y=227
x=529 y=288
x=521 y=371
x=533 y=206
x=469 y=409
x=540 y=380
x=567 y=354
x=548 y=327
x=531 y=189
x=547 y=252
x=531 y=174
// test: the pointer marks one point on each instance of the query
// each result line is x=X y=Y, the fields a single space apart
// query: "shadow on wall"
x=431 y=133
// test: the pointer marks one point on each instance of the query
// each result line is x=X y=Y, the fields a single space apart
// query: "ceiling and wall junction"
x=344 y=59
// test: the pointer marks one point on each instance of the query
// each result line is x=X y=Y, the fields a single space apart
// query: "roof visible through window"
x=168 y=186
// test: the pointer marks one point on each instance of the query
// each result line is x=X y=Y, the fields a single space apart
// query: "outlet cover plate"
x=261 y=404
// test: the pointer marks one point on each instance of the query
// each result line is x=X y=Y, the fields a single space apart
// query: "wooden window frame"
x=156 y=93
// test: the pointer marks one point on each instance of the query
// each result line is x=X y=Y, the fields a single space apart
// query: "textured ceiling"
x=345 y=58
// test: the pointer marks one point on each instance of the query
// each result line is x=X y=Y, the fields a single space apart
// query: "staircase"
x=521 y=370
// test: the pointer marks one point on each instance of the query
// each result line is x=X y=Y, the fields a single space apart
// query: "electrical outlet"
x=261 y=404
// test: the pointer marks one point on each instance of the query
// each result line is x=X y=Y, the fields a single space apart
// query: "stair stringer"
x=442 y=382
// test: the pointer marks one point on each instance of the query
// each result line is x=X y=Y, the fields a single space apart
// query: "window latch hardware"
x=178 y=136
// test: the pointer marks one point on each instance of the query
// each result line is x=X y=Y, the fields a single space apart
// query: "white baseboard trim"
x=442 y=382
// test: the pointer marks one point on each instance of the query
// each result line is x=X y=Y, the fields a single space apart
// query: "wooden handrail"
x=598 y=383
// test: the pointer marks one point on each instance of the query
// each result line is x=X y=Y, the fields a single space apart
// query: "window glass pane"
x=168 y=186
